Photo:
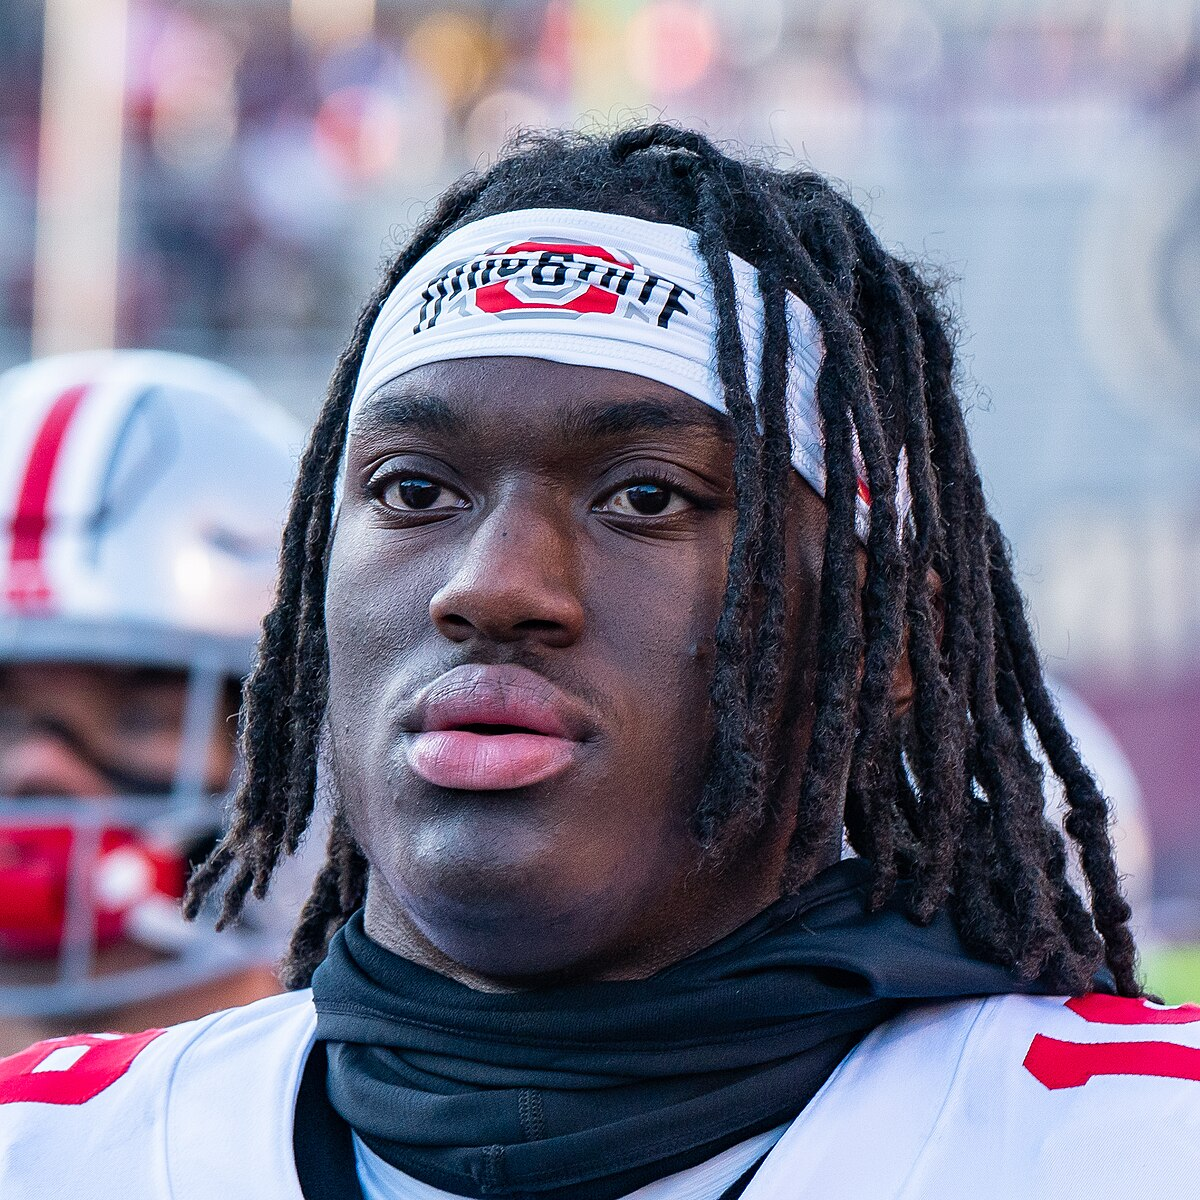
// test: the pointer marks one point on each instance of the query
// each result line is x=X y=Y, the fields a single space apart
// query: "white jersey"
x=1010 y=1096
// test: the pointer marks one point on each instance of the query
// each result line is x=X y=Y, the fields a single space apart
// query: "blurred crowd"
x=269 y=148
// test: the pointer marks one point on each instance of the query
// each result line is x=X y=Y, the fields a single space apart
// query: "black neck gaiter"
x=592 y=1090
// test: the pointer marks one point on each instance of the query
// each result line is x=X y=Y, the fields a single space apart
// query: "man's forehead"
x=579 y=403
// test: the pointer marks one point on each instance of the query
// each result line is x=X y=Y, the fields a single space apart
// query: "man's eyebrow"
x=430 y=413
x=642 y=416
x=434 y=414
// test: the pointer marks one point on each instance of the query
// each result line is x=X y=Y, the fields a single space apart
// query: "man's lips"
x=493 y=728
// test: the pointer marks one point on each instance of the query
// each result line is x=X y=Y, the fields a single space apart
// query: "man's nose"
x=518 y=579
x=40 y=764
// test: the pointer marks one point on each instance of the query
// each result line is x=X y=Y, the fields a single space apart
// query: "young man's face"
x=65 y=726
x=526 y=576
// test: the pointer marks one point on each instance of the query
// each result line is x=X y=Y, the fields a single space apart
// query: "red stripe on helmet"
x=27 y=584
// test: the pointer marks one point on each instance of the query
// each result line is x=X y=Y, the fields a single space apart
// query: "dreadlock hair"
x=948 y=805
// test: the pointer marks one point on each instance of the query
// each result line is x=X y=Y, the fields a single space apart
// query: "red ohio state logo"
x=559 y=279
x=551 y=278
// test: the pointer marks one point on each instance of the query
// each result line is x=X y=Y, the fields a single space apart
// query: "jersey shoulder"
x=1085 y=1096
x=101 y=1112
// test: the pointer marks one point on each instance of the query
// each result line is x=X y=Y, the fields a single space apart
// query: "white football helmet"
x=142 y=496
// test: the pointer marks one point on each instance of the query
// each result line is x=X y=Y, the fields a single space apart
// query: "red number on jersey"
x=1071 y=1064
x=70 y=1070
x=1060 y=1064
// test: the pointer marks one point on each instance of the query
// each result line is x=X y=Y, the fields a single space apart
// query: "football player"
x=143 y=495
x=638 y=558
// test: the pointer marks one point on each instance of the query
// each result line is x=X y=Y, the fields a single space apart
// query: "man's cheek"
x=371 y=613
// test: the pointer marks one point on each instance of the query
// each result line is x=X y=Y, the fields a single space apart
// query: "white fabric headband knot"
x=594 y=290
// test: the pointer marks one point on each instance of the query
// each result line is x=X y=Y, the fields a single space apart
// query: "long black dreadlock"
x=952 y=804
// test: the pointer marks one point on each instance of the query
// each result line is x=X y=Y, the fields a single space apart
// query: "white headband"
x=595 y=290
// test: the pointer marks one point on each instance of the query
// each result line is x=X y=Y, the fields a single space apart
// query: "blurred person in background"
x=1099 y=747
x=142 y=496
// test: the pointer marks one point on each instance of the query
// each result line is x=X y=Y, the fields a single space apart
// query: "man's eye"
x=146 y=718
x=415 y=494
x=644 y=500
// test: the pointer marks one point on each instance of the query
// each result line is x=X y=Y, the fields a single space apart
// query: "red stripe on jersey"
x=1071 y=1064
x=1124 y=1010
x=27 y=583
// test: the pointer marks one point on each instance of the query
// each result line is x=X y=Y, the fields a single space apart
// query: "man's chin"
x=508 y=931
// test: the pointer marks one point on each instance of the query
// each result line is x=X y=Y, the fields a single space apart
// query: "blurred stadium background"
x=224 y=177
